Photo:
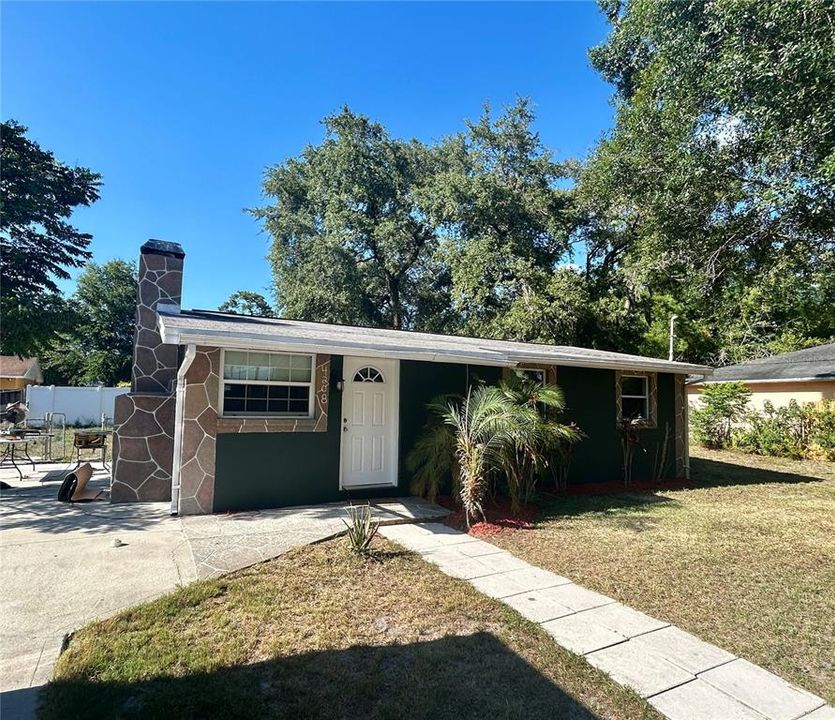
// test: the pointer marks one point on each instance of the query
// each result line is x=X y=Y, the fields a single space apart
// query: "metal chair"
x=90 y=441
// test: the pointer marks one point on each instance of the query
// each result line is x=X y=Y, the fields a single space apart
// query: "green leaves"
x=715 y=186
x=37 y=243
x=351 y=242
x=244 y=302
x=96 y=343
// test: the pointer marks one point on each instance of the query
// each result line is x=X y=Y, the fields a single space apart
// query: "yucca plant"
x=361 y=530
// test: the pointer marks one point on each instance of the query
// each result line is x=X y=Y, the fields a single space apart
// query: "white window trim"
x=644 y=397
x=268 y=416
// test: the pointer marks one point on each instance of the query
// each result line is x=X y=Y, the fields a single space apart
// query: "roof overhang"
x=174 y=329
x=766 y=381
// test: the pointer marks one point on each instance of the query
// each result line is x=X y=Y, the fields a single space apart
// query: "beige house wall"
x=779 y=393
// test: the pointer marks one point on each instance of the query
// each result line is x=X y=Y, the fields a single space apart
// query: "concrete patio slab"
x=623 y=620
x=699 y=701
x=645 y=673
x=768 y=694
x=581 y=636
x=683 y=649
x=513 y=582
x=538 y=606
x=60 y=566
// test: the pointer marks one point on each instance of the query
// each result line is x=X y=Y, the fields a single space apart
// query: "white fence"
x=80 y=405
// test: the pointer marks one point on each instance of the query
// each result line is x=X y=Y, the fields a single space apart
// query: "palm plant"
x=467 y=439
x=538 y=442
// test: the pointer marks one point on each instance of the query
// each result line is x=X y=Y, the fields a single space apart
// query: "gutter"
x=179 y=408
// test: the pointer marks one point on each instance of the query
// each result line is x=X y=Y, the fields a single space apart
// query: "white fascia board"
x=175 y=336
x=647 y=365
x=754 y=381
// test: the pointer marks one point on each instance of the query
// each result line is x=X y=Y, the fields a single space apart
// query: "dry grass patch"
x=747 y=561
x=321 y=633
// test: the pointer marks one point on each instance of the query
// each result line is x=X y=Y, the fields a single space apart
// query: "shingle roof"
x=15 y=367
x=204 y=327
x=816 y=363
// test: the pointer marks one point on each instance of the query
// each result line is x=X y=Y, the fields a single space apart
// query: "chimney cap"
x=162 y=247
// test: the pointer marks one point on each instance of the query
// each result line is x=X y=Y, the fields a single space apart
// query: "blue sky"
x=181 y=106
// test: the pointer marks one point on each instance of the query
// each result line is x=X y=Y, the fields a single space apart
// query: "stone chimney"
x=160 y=281
x=143 y=442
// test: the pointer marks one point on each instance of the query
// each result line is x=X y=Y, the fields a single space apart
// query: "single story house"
x=230 y=412
x=804 y=375
x=16 y=374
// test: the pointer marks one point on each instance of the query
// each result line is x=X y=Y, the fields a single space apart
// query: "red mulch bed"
x=497 y=512
x=499 y=518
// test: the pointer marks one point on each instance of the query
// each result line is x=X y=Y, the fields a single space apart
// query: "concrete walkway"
x=62 y=567
x=681 y=676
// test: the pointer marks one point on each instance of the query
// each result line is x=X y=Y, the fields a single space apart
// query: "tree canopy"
x=98 y=345
x=37 y=242
x=244 y=302
x=350 y=238
x=714 y=195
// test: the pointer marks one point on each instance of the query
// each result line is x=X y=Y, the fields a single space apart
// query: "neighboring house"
x=805 y=376
x=15 y=375
x=230 y=412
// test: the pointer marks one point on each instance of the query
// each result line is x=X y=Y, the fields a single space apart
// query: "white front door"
x=369 y=422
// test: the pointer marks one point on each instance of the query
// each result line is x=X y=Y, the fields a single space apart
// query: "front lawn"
x=746 y=560
x=320 y=633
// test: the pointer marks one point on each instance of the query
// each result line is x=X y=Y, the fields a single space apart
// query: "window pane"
x=234 y=365
x=280 y=368
x=300 y=368
x=299 y=407
x=258 y=366
x=279 y=392
x=633 y=385
x=235 y=390
x=233 y=405
x=256 y=392
x=632 y=408
x=250 y=399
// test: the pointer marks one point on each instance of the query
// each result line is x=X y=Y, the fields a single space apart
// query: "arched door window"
x=368 y=374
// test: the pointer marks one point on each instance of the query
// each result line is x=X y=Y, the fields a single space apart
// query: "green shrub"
x=796 y=431
x=723 y=406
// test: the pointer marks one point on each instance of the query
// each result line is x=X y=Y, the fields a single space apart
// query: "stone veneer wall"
x=154 y=362
x=143 y=442
x=143 y=448
x=201 y=425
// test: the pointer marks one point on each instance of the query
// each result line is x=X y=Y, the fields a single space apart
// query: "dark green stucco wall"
x=263 y=470
x=590 y=399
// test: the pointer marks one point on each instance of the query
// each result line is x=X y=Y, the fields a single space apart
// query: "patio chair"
x=90 y=441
